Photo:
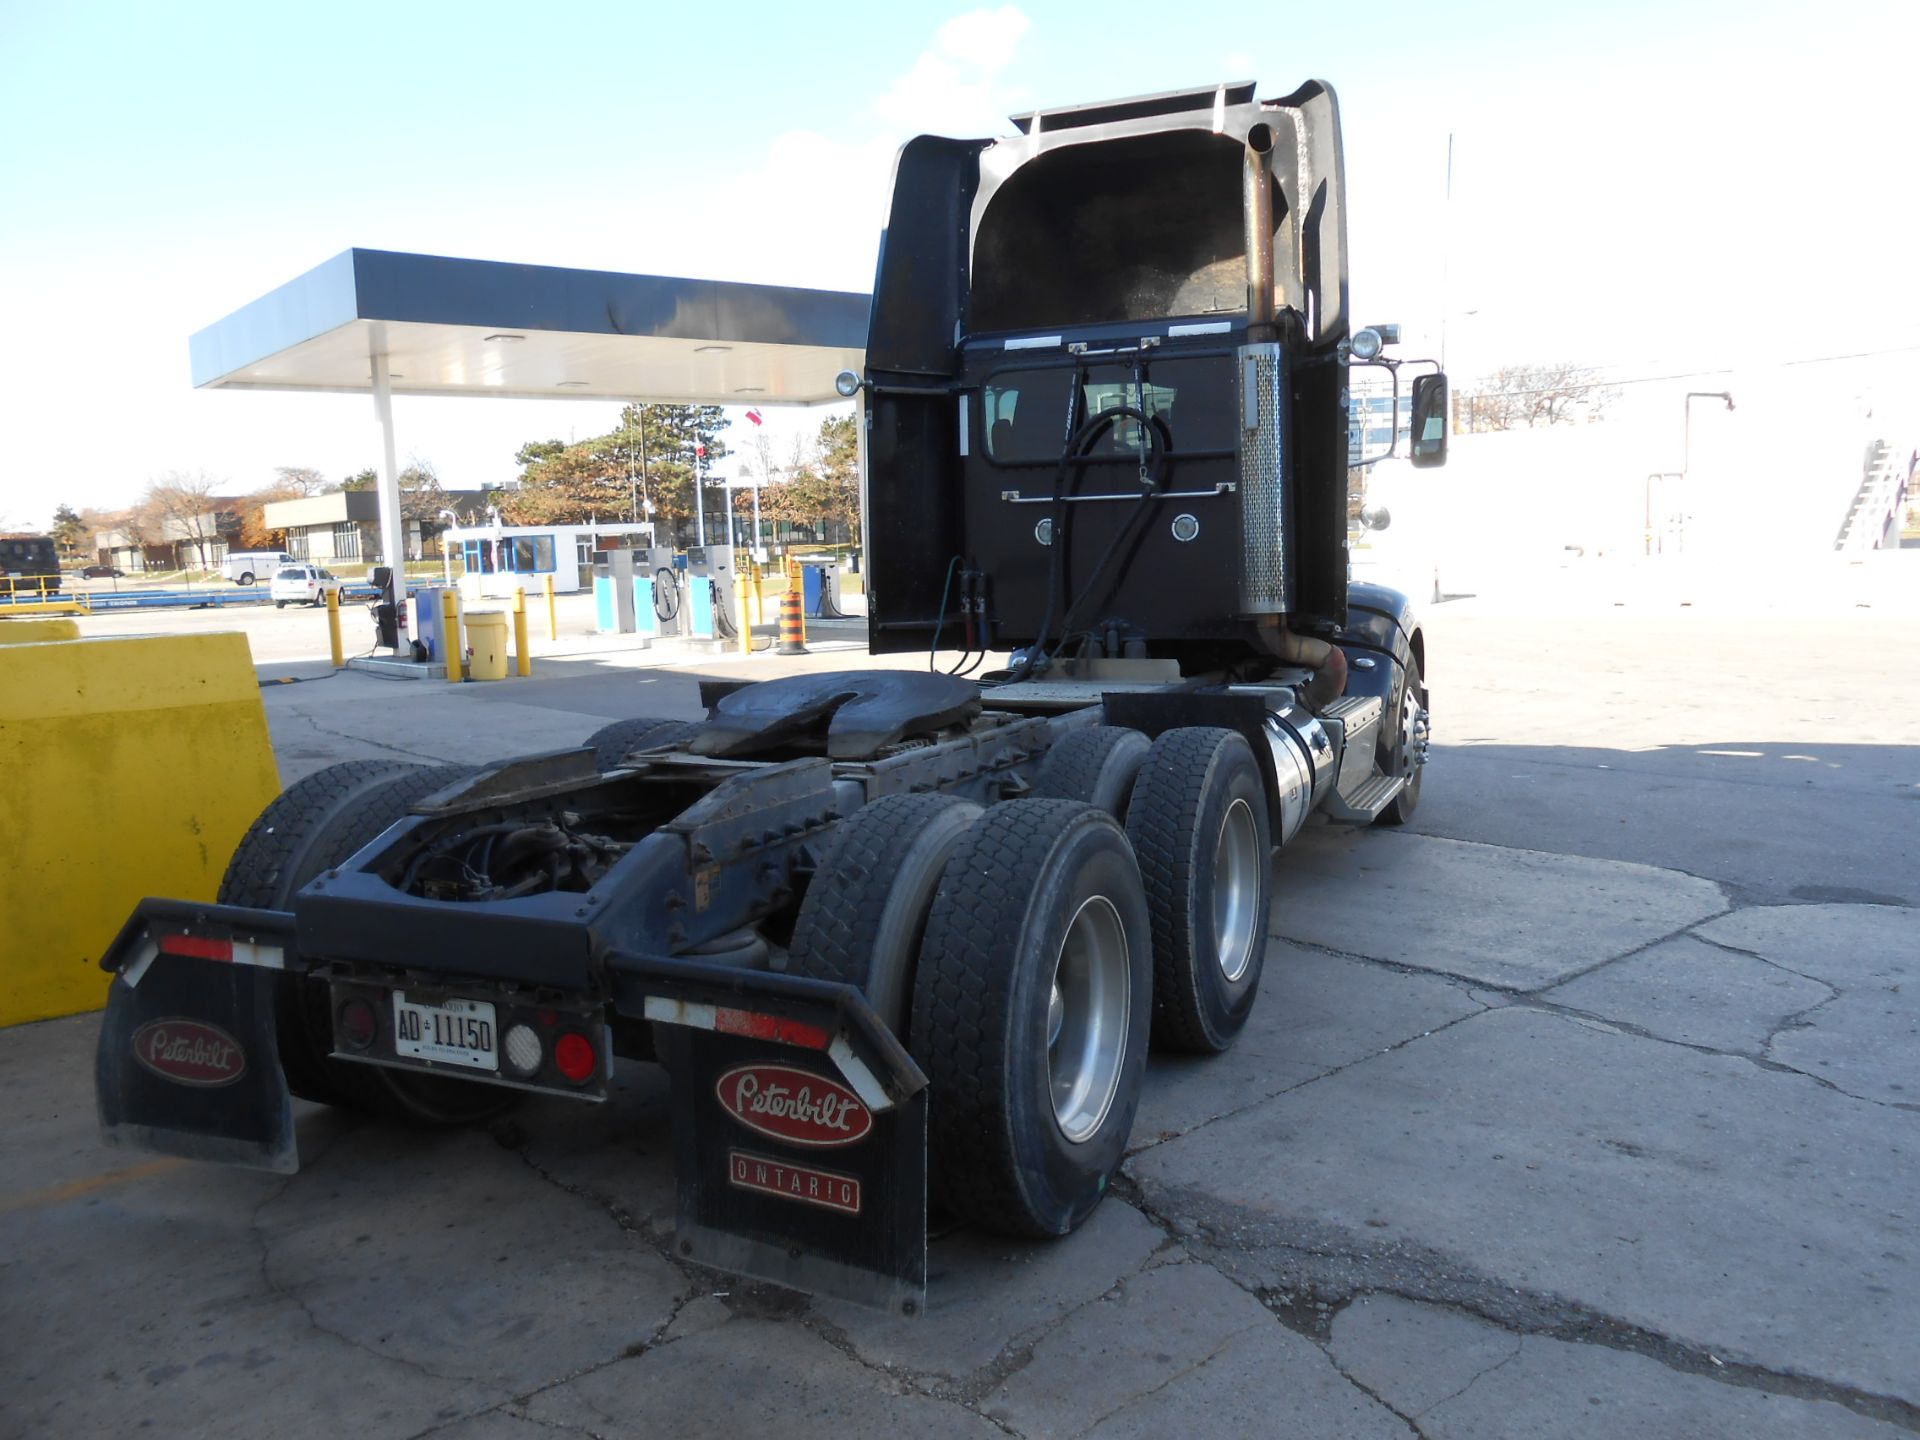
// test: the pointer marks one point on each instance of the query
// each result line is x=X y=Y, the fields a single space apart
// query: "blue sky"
x=1638 y=185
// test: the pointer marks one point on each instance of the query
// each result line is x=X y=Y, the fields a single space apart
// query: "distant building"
x=170 y=544
x=345 y=525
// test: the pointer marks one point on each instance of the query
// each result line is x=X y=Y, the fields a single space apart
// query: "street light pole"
x=1686 y=448
x=1686 y=442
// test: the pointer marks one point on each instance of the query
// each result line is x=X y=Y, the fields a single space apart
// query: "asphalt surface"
x=1587 y=1105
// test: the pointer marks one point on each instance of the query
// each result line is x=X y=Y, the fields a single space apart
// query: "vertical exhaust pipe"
x=1257 y=203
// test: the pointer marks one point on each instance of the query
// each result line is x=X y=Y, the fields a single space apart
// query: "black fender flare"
x=1381 y=637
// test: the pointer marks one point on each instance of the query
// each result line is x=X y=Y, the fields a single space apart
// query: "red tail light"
x=573 y=1057
x=358 y=1024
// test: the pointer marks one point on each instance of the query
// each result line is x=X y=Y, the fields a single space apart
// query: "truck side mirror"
x=1428 y=445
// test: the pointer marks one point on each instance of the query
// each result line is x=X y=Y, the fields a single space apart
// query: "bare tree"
x=1518 y=397
x=185 y=500
x=295 y=480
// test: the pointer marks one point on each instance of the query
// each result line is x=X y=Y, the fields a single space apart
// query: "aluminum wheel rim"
x=1236 y=890
x=1087 y=1018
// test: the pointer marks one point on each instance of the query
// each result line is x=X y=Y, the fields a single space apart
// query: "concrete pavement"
x=1587 y=1106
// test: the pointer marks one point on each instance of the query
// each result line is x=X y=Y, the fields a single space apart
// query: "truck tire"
x=1096 y=766
x=866 y=910
x=246 y=578
x=314 y=825
x=1398 y=754
x=1030 y=1015
x=613 y=743
x=1199 y=825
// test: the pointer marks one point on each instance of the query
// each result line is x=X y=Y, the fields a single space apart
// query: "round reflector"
x=573 y=1057
x=358 y=1025
x=523 y=1049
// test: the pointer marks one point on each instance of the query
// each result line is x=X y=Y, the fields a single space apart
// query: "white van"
x=243 y=567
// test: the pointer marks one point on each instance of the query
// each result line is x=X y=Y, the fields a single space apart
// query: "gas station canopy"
x=478 y=327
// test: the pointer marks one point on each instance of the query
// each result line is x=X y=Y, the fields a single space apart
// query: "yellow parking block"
x=132 y=766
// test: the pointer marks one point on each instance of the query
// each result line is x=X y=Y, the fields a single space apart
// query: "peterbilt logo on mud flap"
x=793 y=1105
x=189 y=1052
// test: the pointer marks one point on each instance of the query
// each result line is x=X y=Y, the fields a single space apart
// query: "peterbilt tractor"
x=900 y=937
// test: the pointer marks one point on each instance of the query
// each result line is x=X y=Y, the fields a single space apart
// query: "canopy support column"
x=393 y=533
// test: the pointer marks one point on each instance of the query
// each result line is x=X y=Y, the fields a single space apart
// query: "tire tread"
x=966 y=966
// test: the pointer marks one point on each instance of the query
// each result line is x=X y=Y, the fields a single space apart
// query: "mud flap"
x=785 y=1175
x=188 y=1065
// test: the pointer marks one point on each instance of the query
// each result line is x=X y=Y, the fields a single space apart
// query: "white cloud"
x=830 y=193
x=954 y=87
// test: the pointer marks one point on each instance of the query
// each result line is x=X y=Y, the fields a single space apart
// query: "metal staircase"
x=1877 y=504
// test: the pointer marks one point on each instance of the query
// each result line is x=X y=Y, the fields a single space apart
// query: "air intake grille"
x=1265 y=581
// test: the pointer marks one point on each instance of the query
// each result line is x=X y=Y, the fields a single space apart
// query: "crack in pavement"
x=1181 y=1374
x=1340 y=1069
x=1535 y=999
x=302 y=715
x=1519 y=1344
x=1471 y=983
x=294 y=1298
x=1411 y=1422
x=1745 y=953
x=624 y=1220
x=970 y=1390
x=1760 y=1061
x=1322 y=1269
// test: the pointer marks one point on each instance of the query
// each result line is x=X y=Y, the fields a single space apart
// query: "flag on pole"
x=756 y=417
x=700 y=449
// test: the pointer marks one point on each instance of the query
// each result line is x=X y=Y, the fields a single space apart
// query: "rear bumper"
x=799 y=1120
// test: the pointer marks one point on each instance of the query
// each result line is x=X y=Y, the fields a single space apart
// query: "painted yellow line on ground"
x=75 y=1189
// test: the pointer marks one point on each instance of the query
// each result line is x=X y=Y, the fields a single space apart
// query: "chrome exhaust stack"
x=1257 y=205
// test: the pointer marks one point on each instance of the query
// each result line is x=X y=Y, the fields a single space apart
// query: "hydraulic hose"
x=1073 y=461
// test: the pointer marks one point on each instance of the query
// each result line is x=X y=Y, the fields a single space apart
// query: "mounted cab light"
x=524 y=1050
x=197 y=947
x=772 y=1027
x=358 y=1025
x=573 y=1057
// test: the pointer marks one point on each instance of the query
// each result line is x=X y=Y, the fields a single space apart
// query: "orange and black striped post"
x=793 y=625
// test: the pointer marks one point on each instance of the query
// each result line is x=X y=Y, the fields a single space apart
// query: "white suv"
x=304 y=584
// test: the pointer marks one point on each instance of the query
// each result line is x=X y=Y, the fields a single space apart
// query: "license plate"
x=454 y=1032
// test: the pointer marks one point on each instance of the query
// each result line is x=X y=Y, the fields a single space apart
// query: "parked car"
x=102 y=572
x=302 y=584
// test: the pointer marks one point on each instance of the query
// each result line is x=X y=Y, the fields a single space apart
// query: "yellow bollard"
x=553 y=616
x=522 y=662
x=450 y=632
x=741 y=593
x=333 y=628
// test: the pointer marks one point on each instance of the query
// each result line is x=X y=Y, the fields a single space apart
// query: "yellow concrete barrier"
x=132 y=766
x=34 y=632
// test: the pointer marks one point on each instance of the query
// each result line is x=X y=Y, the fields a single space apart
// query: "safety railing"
x=39 y=594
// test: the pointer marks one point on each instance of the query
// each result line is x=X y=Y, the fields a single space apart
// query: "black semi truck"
x=901 y=937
